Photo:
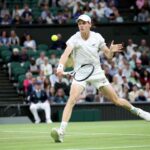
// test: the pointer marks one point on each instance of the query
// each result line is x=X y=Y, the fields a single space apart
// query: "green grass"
x=110 y=135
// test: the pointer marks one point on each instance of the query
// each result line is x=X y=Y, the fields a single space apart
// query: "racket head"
x=83 y=72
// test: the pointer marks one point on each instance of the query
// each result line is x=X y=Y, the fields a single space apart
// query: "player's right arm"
x=63 y=60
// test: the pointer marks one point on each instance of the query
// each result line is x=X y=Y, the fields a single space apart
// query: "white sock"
x=63 y=126
x=134 y=110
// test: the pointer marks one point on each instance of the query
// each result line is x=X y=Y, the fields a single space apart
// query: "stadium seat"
x=42 y=47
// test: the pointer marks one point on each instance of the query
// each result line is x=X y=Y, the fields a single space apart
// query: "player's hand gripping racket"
x=82 y=73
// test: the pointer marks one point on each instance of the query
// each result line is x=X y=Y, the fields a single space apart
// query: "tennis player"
x=85 y=46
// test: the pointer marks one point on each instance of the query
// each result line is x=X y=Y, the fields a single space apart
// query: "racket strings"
x=84 y=72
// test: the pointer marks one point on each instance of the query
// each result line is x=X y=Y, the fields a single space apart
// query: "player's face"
x=84 y=26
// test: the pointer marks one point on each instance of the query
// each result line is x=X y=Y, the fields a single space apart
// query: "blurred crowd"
x=128 y=71
x=66 y=11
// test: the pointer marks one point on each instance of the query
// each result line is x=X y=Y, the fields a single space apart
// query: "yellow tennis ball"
x=54 y=37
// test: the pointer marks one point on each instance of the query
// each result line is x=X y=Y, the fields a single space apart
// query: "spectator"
x=24 y=56
x=53 y=60
x=4 y=40
x=30 y=43
x=14 y=39
x=27 y=15
x=6 y=20
x=49 y=90
x=42 y=3
x=16 y=11
x=40 y=60
x=46 y=15
x=60 y=97
x=141 y=96
x=133 y=94
x=33 y=67
x=27 y=82
x=39 y=100
x=145 y=78
x=143 y=16
x=17 y=20
x=143 y=46
x=90 y=92
x=130 y=48
x=60 y=83
x=147 y=91
x=46 y=68
x=145 y=59
x=117 y=87
x=4 y=11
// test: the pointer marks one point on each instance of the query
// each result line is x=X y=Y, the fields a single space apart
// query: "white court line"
x=105 y=148
x=79 y=133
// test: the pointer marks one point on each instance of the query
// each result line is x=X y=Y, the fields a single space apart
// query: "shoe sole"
x=55 y=136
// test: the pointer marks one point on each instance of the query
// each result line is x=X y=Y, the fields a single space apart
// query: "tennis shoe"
x=57 y=135
x=143 y=114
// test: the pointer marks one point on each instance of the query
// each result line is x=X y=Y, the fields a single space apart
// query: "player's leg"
x=110 y=93
x=75 y=91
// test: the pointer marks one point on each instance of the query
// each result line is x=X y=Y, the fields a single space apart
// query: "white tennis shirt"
x=86 y=51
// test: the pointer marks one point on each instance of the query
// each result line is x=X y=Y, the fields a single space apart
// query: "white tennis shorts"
x=98 y=79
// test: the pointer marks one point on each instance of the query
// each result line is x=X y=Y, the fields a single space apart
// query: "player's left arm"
x=109 y=52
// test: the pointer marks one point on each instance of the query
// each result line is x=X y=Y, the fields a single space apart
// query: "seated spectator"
x=46 y=68
x=40 y=60
x=23 y=55
x=147 y=91
x=16 y=11
x=27 y=82
x=42 y=3
x=30 y=88
x=49 y=90
x=145 y=78
x=60 y=18
x=6 y=20
x=14 y=39
x=60 y=97
x=141 y=97
x=134 y=93
x=143 y=46
x=53 y=60
x=145 y=59
x=130 y=48
x=46 y=15
x=60 y=83
x=4 y=40
x=143 y=16
x=117 y=86
x=30 y=43
x=39 y=100
x=125 y=91
x=27 y=15
x=17 y=20
x=4 y=11
x=33 y=67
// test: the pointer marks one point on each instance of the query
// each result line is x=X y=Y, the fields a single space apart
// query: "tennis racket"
x=82 y=73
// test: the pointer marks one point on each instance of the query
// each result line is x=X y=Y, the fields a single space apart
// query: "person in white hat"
x=85 y=46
